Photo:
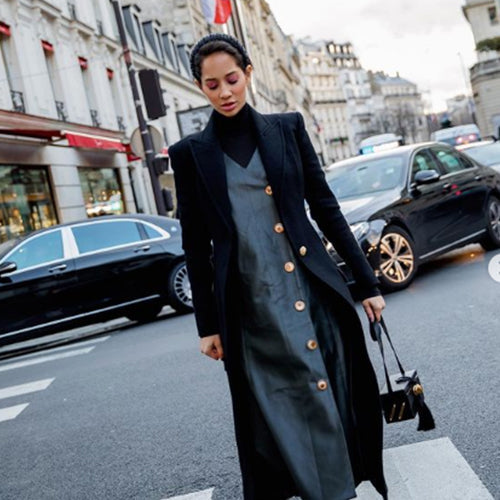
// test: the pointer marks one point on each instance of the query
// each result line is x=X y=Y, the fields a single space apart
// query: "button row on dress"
x=321 y=384
x=269 y=190
x=300 y=305
x=279 y=227
x=302 y=251
x=289 y=267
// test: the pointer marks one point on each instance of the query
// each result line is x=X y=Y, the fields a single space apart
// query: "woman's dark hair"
x=217 y=42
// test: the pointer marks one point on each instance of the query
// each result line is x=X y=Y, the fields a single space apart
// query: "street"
x=139 y=413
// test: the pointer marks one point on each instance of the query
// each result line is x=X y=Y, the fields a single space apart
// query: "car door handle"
x=144 y=248
x=60 y=267
x=447 y=186
x=478 y=177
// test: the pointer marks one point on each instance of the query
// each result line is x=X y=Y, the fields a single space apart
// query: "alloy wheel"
x=494 y=218
x=182 y=287
x=397 y=260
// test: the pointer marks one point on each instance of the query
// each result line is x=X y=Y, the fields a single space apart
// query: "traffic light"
x=152 y=93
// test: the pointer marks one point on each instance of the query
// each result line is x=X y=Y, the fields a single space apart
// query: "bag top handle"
x=376 y=330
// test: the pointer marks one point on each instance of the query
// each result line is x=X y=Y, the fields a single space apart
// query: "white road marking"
x=17 y=390
x=44 y=359
x=429 y=470
x=11 y=412
x=199 y=495
x=63 y=348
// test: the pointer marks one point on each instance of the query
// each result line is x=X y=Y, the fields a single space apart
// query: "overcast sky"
x=419 y=38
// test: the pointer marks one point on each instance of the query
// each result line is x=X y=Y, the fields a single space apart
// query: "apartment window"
x=55 y=80
x=89 y=92
x=492 y=14
x=10 y=63
x=26 y=201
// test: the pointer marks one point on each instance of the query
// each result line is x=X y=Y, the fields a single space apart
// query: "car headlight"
x=360 y=229
x=372 y=231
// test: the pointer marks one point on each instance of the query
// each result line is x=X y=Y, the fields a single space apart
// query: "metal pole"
x=146 y=137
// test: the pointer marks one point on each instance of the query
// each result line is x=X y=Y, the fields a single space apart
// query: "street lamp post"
x=149 y=153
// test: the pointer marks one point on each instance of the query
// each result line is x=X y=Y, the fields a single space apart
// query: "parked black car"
x=412 y=203
x=92 y=270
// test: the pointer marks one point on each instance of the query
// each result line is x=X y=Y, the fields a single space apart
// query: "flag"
x=216 y=11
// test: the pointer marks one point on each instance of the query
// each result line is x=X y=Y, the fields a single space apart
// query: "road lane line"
x=434 y=470
x=199 y=495
x=63 y=348
x=44 y=359
x=11 y=412
x=17 y=390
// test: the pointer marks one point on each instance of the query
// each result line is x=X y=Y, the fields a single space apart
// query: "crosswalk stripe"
x=11 y=412
x=44 y=359
x=17 y=390
x=63 y=348
x=199 y=495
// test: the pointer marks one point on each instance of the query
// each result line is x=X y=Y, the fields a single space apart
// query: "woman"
x=269 y=300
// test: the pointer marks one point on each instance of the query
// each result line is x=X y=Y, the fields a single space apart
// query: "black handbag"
x=402 y=396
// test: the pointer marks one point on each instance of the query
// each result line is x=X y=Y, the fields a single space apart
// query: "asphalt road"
x=141 y=414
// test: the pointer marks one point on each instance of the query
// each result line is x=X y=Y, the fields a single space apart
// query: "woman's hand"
x=212 y=346
x=373 y=307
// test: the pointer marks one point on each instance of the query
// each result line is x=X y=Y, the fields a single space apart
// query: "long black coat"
x=208 y=233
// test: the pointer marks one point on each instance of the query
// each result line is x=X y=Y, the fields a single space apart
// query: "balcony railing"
x=17 y=101
x=485 y=68
x=94 y=115
x=121 y=124
x=61 y=111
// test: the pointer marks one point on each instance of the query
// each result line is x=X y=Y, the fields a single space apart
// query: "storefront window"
x=26 y=202
x=101 y=191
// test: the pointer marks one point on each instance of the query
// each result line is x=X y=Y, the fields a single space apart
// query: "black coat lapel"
x=271 y=149
x=209 y=159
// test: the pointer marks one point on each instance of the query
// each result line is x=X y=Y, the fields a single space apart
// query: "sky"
x=429 y=42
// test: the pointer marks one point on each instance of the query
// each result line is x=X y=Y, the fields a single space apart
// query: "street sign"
x=137 y=146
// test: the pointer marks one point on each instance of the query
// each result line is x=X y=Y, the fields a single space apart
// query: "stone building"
x=322 y=79
x=66 y=110
x=398 y=107
x=483 y=17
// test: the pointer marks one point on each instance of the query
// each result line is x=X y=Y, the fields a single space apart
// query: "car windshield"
x=486 y=155
x=366 y=176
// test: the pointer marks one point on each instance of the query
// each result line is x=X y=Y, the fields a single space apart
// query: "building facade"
x=483 y=17
x=398 y=107
x=66 y=110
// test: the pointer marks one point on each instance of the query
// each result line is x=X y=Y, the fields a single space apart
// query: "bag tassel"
x=425 y=418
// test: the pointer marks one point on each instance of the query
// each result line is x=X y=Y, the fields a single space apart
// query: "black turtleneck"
x=237 y=135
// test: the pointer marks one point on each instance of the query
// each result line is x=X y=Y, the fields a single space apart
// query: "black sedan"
x=93 y=270
x=410 y=204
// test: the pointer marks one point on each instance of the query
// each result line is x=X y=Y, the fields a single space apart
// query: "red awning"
x=47 y=46
x=75 y=139
x=94 y=142
x=4 y=29
x=83 y=62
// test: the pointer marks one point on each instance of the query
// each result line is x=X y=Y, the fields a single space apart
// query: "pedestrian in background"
x=268 y=299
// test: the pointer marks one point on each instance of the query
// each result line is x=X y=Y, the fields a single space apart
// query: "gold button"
x=302 y=251
x=279 y=227
x=312 y=344
x=269 y=190
x=300 y=305
x=321 y=385
x=289 y=267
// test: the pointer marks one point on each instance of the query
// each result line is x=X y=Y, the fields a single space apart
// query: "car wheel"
x=145 y=313
x=492 y=238
x=179 y=289
x=397 y=262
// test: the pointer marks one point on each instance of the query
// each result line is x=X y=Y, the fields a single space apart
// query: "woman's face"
x=224 y=82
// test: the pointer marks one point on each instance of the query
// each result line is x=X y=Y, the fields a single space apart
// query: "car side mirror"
x=426 y=176
x=7 y=267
